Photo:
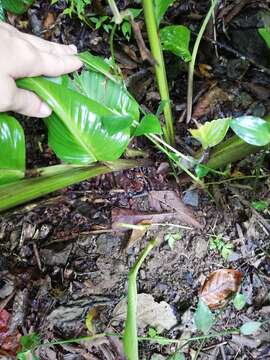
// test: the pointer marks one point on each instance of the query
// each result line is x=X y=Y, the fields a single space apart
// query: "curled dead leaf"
x=220 y=286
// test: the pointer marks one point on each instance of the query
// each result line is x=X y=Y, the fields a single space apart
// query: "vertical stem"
x=152 y=30
x=193 y=60
x=130 y=335
x=115 y=11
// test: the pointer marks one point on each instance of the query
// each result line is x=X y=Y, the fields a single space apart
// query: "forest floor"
x=62 y=256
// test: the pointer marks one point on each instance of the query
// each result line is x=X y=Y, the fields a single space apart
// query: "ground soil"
x=60 y=257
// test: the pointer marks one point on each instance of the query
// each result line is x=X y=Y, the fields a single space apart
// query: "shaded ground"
x=59 y=257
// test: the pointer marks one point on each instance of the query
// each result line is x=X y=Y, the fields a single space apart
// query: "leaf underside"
x=12 y=150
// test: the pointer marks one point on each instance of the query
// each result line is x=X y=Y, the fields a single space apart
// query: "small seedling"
x=225 y=250
x=239 y=301
x=172 y=238
x=259 y=205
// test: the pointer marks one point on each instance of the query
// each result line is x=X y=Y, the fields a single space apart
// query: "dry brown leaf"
x=208 y=101
x=149 y=313
x=220 y=286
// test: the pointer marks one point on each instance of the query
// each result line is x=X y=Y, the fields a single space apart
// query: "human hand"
x=24 y=55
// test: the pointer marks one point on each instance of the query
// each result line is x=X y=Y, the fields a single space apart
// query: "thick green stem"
x=130 y=335
x=232 y=150
x=54 y=178
x=152 y=30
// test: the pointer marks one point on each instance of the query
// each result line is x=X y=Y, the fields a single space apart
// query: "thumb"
x=27 y=103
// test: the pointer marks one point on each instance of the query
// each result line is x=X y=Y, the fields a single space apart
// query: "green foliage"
x=250 y=327
x=203 y=317
x=239 y=301
x=176 y=38
x=28 y=344
x=252 y=130
x=259 y=205
x=216 y=243
x=75 y=7
x=76 y=131
x=17 y=7
x=99 y=65
x=201 y=171
x=148 y=125
x=265 y=34
x=2 y=12
x=12 y=150
x=172 y=238
x=211 y=133
x=161 y=6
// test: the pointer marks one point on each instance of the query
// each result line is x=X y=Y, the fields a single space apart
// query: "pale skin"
x=24 y=55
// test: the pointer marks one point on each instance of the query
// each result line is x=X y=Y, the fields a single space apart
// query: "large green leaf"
x=76 y=131
x=17 y=7
x=54 y=178
x=161 y=6
x=12 y=150
x=211 y=133
x=98 y=64
x=176 y=38
x=252 y=130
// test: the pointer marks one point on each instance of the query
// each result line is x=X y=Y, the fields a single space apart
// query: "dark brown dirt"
x=59 y=257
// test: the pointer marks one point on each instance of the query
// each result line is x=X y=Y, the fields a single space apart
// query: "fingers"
x=54 y=65
x=50 y=47
x=22 y=101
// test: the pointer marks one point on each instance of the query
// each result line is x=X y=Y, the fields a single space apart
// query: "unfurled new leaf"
x=176 y=38
x=203 y=317
x=251 y=129
x=211 y=133
x=12 y=150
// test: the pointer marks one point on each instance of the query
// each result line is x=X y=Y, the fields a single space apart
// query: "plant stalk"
x=130 y=335
x=54 y=178
x=157 y=53
x=193 y=60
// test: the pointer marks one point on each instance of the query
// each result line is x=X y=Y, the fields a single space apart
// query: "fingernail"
x=44 y=110
x=73 y=48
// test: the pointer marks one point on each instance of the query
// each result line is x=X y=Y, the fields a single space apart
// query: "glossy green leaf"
x=12 y=150
x=98 y=64
x=250 y=327
x=76 y=131
x=30 y=341
x=259 y=205
x=201 y=171
x=148 y=125
x=161 y=6
x=17 y=7
x=211 y=133
x=2 y=12
x=251 y=129
x=265 y=34
x=203 y=317
x=239 y=301
x=176 y=38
